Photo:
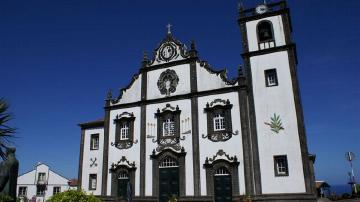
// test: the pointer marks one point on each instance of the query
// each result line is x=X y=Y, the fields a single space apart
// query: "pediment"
x=169 y=50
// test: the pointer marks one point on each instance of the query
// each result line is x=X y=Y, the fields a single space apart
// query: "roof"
x=322 y=184
x=73 y=182
x=92 y=124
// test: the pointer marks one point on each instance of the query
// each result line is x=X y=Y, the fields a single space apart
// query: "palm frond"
x=6 y=132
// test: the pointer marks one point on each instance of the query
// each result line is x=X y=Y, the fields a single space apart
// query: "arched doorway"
x=222 y=185
x=168 y=178
x=122 y=182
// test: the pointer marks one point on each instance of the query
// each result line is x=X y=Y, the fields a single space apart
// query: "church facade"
x=183 y=130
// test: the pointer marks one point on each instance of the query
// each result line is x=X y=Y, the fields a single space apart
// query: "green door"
x=222 y=188
x=123 y=179
x=168 y=183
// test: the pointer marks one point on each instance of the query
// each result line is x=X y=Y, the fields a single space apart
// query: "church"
x=182 y=130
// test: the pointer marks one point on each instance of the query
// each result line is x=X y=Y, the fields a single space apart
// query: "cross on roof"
x=169 y=28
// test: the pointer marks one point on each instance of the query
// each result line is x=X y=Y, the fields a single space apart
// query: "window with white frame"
x=168 y=127
x=271 y=78
x=92 y=181
x=168 y=162
x=124 y=131
x=281 y=166
x=56 y=190
x=94 y=142
x=219 y=122
x=22 y=191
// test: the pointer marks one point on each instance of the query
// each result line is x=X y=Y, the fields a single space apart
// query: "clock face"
x=261 y=9
x=167 y=52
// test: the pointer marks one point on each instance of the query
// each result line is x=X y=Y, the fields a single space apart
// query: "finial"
x=264 y=2
x=109 y=94
x=240 y=70
x=240 y=5
x=169 y=28
x=193 y=46
x=145 y=56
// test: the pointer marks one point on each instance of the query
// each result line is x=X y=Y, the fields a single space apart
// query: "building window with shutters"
x=219 y=123
x=92 y=181
x=124 y=130
x=281 y=166
x=94 y=142
x=168 y=121
x=271 y=78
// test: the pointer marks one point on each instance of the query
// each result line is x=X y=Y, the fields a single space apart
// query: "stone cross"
x=169 y=28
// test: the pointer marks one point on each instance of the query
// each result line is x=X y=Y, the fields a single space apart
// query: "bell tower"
x=277 y=158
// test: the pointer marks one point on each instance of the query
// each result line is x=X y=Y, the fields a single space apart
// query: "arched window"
x=222 y=171
x=123 y=175
x=168 y=162
x=265 y=35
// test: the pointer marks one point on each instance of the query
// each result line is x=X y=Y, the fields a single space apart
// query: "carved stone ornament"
x=93 y=162
x=220 y=137
x=122 y=162
x=220 y=155
x=168 y=82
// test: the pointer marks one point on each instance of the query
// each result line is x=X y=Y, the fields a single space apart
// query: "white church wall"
x=233 y=146
x=183 y=87
x=280 y=100
x=207 y=80
x=92 y=154
x=185 y=120
x=278 y=32
x=132 y=154
x=133 y=94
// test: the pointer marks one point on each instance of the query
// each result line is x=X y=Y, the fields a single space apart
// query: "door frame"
x=157 y=158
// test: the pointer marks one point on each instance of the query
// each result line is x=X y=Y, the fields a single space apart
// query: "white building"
x=41 y=182
x=183 y=128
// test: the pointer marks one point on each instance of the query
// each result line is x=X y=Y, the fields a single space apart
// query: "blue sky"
x=58 y=59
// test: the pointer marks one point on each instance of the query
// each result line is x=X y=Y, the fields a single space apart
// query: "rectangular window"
x=124 y=131
x=41 y=178
x=168 y=127
x=92 y=181
x=56 y=190
x=94 y=142
x=219 y=122
x=22 y=191
x=281 y=165
x=40 y=190
x=271 y=78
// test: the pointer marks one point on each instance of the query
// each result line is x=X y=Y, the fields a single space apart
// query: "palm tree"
x=6 y=132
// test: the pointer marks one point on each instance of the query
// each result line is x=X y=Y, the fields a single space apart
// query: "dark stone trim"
x=211 y=168
x=128 y=143
x=169 y=64
x=265 y=15
x=143 y=132
x=195 y=123
x=269 y=50
x=81 y=159
x=92 y=124
x=285 y=197
x=142 y=149
x=277 y=158
x=105 y=169
x=195 y=145
x=168 y=114
x=255 y=161
x=90 y=177
x=114 y=179
x=309 y=183
x=157 y=158
x=176 y=97
x=272 y=32
x=268 y=72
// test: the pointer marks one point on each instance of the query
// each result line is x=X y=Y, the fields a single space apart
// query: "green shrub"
x=73 y=196
x=5 y=198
